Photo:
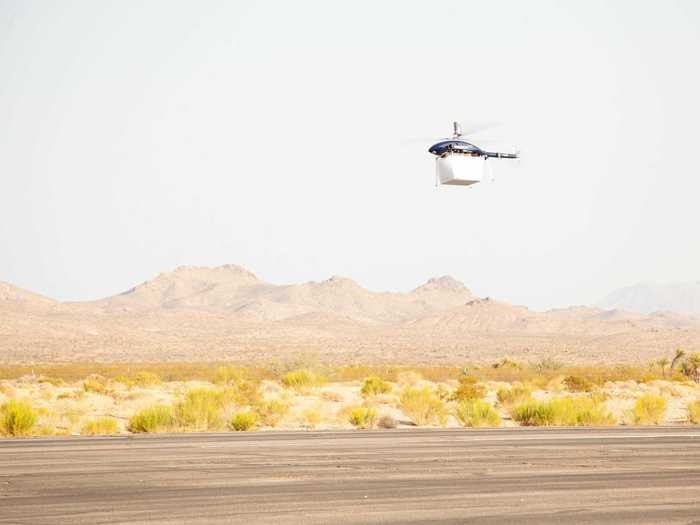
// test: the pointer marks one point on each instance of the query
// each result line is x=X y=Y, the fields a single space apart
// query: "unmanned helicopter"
x=460 y=163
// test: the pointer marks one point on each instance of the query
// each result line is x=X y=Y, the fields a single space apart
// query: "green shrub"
x=423 y=406
x=17 y=418
x=649 y=409
x=99 y=427
x=578 y=411
x=477 y=413
x=243 y=421
x=146 y=379
x=375 y=386
x=228 y=375
x=156 y=418
x=271 y=412
x=201 y=410
x=694 y=412
x=363 y=417
x=302 y=380
x=591 y=412
x=513 y=395
x=94 y=384
x=468 y=389
x=577 y=384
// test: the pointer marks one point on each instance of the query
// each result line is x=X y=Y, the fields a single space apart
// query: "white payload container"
x=460 y=170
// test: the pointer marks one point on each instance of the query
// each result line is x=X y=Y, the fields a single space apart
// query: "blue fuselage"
x=445 y=147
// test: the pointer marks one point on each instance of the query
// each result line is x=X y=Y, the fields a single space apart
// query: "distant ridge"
x=13 y=295
x=227 y=312
x=648 y=298
x=236 y=290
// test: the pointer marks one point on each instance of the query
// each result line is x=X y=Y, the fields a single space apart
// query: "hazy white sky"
x=139 y=136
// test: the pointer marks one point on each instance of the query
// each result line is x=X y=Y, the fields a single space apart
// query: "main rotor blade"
x=426 y=140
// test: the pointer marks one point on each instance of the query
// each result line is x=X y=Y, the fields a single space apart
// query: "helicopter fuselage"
x=462 y=147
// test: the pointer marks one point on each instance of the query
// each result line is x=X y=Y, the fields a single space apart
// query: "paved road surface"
x=614 y=475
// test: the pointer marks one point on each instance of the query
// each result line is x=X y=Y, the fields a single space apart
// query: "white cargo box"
x=460 y=170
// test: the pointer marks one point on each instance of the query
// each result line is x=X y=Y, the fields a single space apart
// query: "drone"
x=460 y=163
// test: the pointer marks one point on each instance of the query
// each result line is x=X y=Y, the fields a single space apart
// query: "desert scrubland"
x=55 y=400
x=158 y=358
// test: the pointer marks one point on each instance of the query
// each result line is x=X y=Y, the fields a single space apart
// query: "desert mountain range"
x=648 y=298
x=227 y=313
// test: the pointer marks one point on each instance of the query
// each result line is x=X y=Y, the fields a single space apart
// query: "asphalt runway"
x=523 y=475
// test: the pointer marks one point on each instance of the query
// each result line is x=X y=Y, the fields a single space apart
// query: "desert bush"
x=650 y=409
x=575 y=383
x=242 y=393
x=128 y=383
x=477 y=413
x=17 y=418
x=228 y=375
x=423 y=406
x=387 y=421
x=690 y=368
x=577 y=411
x=201 y=410
x=375 y=386
x=363 y=417
x=244 y=421
x=468 y=389
x=592 y=412
x=94 y=384
x=271 y=412
x=302 y=380
x=146 y=379
x=515 y=394
x=312 y=417
x=694 y=411
x=156 y=418
x=99 y=427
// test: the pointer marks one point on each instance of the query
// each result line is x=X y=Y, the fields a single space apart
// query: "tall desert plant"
x=468 y=389
x=423 y=406
x=576 y=411
x=155 y=418
x=302 y=380
x=375 y=385
x=200 y=410
x=17 y=418
x=477 y=413
x=363 y=417
x=649 y=409
x=515 y=394
x=677 y=358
